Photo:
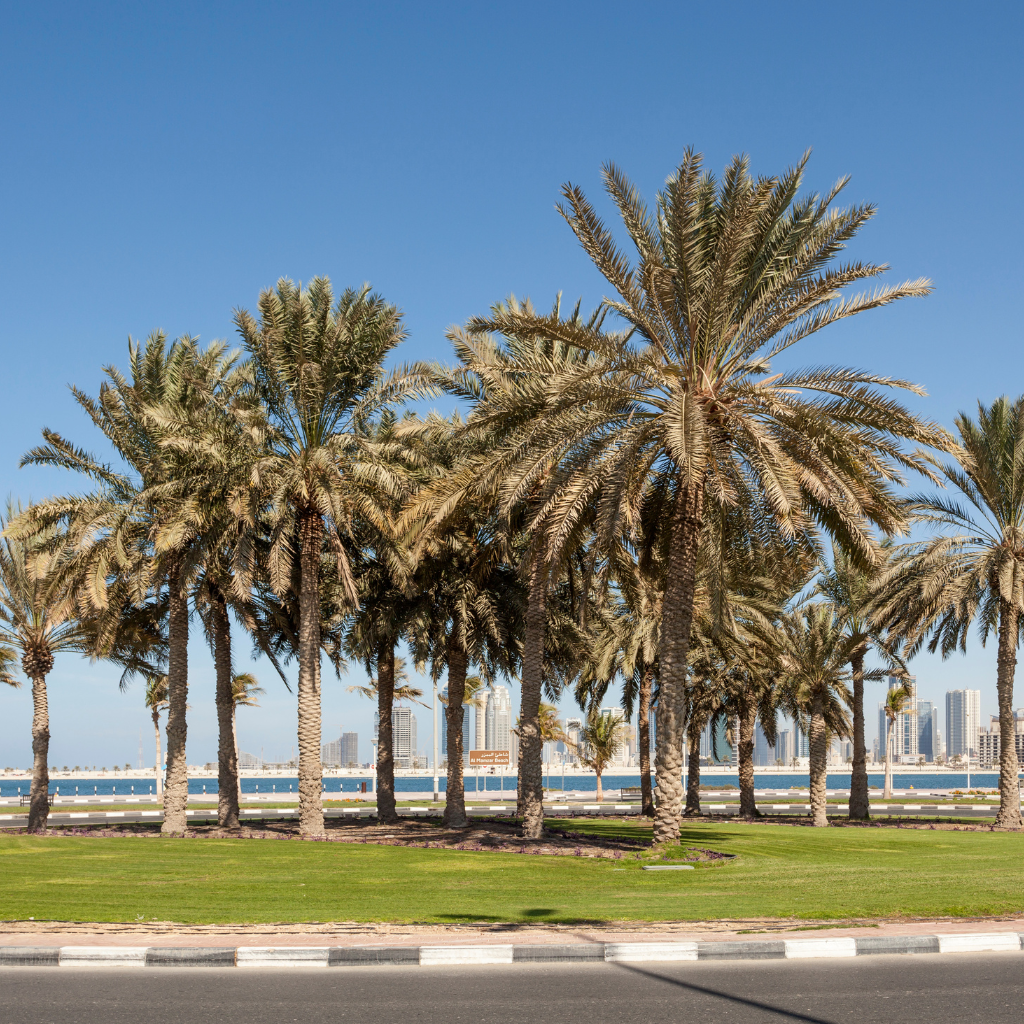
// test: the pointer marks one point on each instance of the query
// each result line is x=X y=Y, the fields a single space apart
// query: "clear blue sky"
x=163 y=163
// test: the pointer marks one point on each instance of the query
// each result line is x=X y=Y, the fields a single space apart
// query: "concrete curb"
x=441 y=956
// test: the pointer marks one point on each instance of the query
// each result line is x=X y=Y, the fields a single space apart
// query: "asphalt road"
x=884 y=989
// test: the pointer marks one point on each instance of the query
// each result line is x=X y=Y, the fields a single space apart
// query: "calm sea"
x=491 y=784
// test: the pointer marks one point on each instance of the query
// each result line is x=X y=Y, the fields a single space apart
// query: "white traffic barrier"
x=430 y=955
x=281 y=956
x=992 y=942
x=639 y=952
x=103 y=956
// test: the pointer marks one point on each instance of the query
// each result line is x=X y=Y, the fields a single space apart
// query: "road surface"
x=865 y=990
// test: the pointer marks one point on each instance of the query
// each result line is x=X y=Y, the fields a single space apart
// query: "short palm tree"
x=847 y=586
x=730 y=274
x=814 y=650
x=895 y=704
x=41 y=617
x=601 y=739
x=156 y=702
x=318 y=366
x=245 y=689
x=972 y=571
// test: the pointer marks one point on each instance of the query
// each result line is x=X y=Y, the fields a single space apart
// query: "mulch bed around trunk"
x=481 y=834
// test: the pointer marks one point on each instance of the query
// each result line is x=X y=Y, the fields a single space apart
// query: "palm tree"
x=848 y=587
x=500 y=377
x=245 y=688
x=600 y=741
x=814 y=650
x=318 y=367
x=472 y=595
x=973 y=569
x=114 y=531
x=730 y=274
x=896 y=701
x=8 y=659
x=401 y=688
x=156 y=701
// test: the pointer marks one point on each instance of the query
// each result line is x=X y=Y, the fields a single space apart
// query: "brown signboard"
x=494 y=757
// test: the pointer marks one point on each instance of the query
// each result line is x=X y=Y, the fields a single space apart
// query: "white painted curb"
x=994 y=941
x=103 y=956
x=798 y=949
x=465 y=955
x=639 y=952
x=281 y=956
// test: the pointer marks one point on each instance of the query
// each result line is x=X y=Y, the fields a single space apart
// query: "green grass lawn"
x=780 y=871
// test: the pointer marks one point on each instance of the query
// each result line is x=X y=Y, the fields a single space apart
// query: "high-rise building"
x=801 y=743
x=990 y=742
x=573 y=728
x=443 y=726
x=349 y=749
x=498 y=732
x=403 y=735
x=963 y=720
x=480 y=719
x=784 y=746
x=764 y=752
x=927 y=730
x=622 y=754
x=330 y=754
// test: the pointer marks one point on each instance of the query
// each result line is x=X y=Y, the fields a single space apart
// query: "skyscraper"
x=349 y=749
x=498 y=719
x=764 y=752
x=784 y=746
x=622 y=754
x=443 y=726
x=906 y=728
x=927 y=730
x=963 y=719
x=403 y=735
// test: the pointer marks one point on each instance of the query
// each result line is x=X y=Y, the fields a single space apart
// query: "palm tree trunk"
x=600 y=792
x=530 y=786
x=385 y=734
x=156 y=767
x=819 y=754
x=860 y=809
x=692 y=771
x=227 y=755
x=887 y=789
x=234 y=739
x=1009 y=768
x=748 y=720
x=176 y=784
x=39 y=793
x=676 y=621
x=455 y=796
x=644 y=741
x=311 y=808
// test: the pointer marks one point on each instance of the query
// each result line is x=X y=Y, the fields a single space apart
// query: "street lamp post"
x=433 y=714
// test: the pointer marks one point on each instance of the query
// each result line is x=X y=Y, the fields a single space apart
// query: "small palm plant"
x=896 y=701
x=245 y=688
x=156 y=701
x=600 y=741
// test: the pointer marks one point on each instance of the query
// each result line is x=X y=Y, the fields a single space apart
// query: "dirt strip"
x=349 y=933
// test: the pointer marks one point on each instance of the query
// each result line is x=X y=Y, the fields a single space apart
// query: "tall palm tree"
x=814 y=650
x=895 y=704
x=156 y=702
x=601 y=738
x=114 y=529
x=972 y=570
x=473 y=597
x=730 y=274
x=499 y=377
x=318 y=366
